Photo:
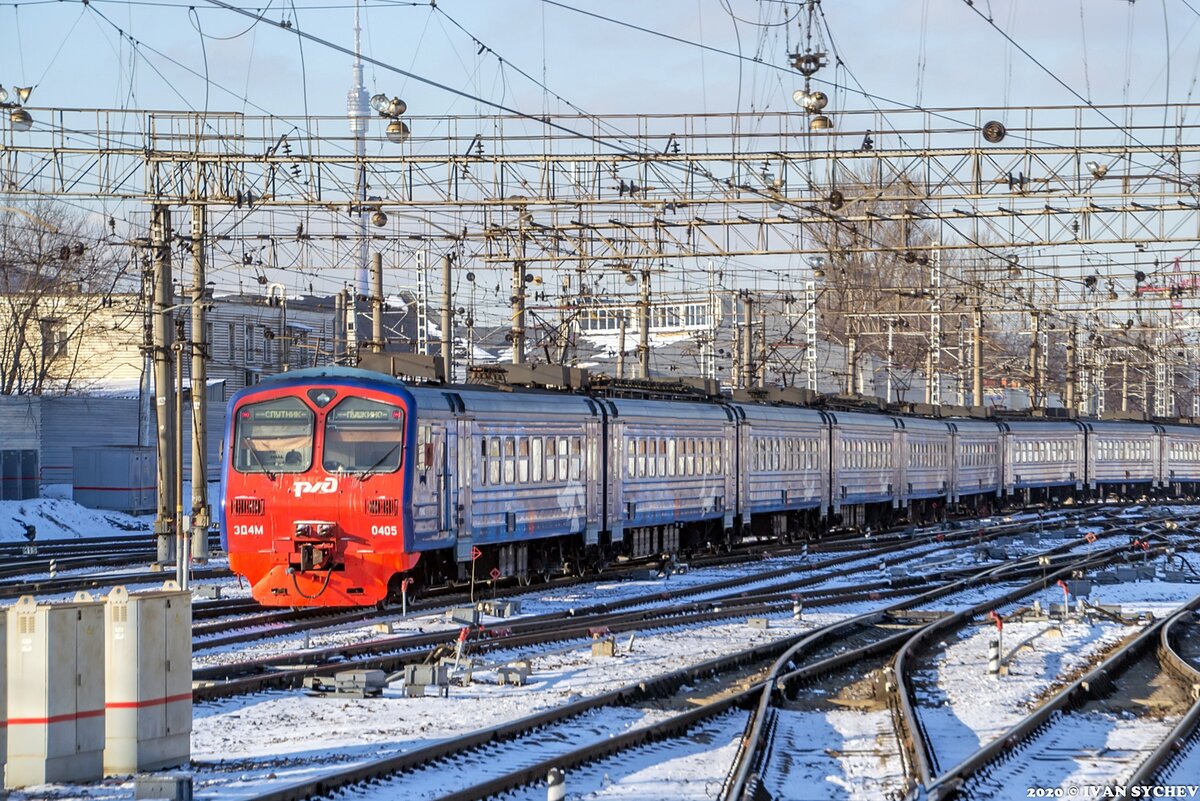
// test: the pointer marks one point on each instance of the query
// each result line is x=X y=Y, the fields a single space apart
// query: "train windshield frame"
x=274 y=436
x=364 y=436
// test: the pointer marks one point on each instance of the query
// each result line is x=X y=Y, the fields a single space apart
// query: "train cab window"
x=274 y=436
x=537 y=458
x=365 y=436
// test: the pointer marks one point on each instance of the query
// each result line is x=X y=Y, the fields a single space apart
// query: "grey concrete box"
x=465 y=616
x=163 y=786
x=360 y=683
x=148 y=679
x=55 y=692
x=1079 y=588
x=419 y=676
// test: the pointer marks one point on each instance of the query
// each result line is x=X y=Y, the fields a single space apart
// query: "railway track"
x=901 y=769
x=706 y=709
x=1096 y=730
x=1176 y=760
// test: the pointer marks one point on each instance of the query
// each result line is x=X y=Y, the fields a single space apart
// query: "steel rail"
x=739 y=779
x=950 y=783
x=1182 y=731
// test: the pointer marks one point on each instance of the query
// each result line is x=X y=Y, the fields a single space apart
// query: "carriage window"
x=562 y=458
x=641 y=465
x=422 y=439
x=537 y=459
x=523 y=460
x=493 y=461
x=662 y=457
x=483 y=461
x=576 y=458
x=364 y=436
x=274 y=436
x=671 y=457
x=510 y=451
x=551 y=473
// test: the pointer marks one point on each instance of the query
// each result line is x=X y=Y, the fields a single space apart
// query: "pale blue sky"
x=76 y=57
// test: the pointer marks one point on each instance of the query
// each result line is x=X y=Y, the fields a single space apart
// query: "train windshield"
x=274 y=436
x=364 y=436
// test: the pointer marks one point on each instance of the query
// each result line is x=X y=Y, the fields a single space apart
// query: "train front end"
x=317 y=487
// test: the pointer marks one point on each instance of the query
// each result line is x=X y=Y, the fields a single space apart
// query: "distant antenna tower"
x=358 y=110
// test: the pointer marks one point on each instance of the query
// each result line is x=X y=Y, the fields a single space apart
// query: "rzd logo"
x=326 y=487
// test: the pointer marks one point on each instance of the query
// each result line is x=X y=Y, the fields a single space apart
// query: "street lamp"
x=391 y=109
x=18 y=117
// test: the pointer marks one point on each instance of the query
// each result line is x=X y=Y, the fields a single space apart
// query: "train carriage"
x=1043 y=458
x=784 y=451
x=523 y=468
x=924 y=465
x=1125 y=454
x=672 y=467
x=977 y=474
x=864 y=470
x=1179 y=460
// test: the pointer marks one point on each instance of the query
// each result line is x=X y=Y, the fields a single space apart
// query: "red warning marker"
x=495 y=574
x=475 y=552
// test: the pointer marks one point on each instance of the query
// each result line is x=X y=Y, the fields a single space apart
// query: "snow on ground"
x=967 y=708
x=838 y=754
x=61 y=518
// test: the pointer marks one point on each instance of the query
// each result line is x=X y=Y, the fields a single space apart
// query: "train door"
x=955 y=456
x=616 y=478
x=592 y=476
x=464 y=455
x=899 y=469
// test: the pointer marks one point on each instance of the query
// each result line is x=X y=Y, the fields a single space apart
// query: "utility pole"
x=890 y=367
x=977 y=358
x=851 y=363
x=339 y=327
x=517 y=333
x=1069 y=400
x=201 y=511
x=377 y=302
x=747 y=340
x=622 y=322
x=164 y=392
x=934 y=380
x=810 y=334
x=644 y=325
x=1034 y=360
x=1125 y=383
x=447 y=319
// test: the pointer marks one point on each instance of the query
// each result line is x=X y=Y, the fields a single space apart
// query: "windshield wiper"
x=370 y=471
x=247 y=442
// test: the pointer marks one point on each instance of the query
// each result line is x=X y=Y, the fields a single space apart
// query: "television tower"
x=358 y=110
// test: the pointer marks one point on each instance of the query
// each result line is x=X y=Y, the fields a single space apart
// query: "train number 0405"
x=385 y=531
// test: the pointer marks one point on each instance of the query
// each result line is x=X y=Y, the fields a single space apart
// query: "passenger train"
x=340 y=484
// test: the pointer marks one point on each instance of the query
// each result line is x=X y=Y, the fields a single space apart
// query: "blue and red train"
x=340 y=483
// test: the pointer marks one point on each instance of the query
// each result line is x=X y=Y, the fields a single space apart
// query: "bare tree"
x=56 y=274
